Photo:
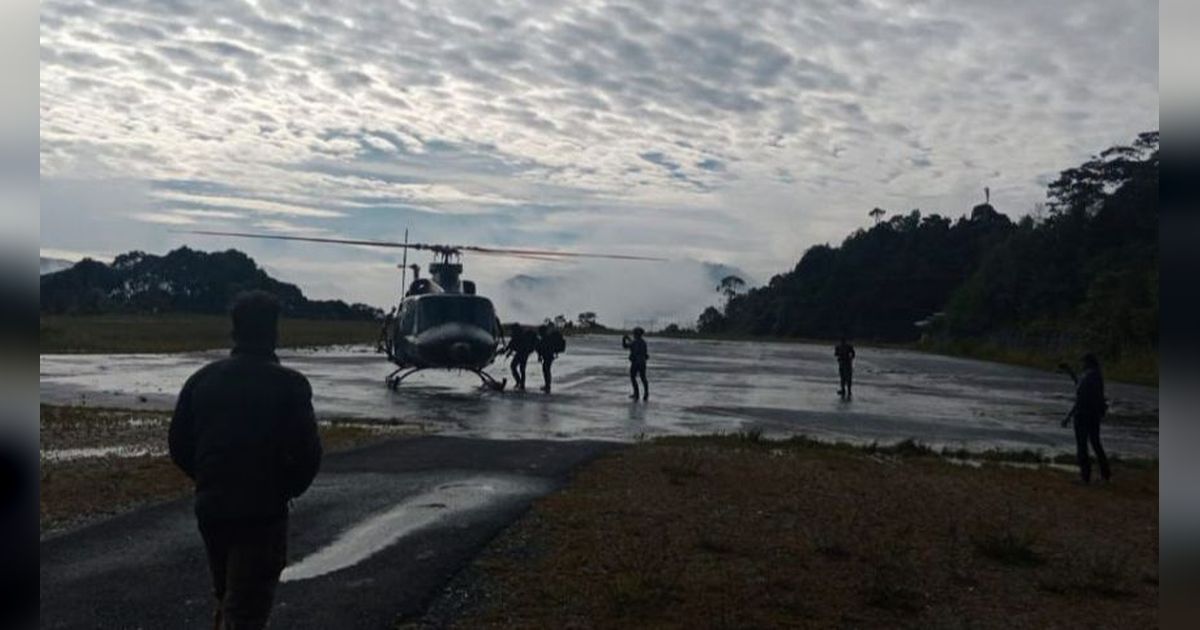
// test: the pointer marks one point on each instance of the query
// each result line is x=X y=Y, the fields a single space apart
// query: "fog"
x=622 y=294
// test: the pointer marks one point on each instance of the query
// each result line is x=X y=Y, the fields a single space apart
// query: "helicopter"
x=440 y=322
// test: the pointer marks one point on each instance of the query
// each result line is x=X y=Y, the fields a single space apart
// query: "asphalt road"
x=381 y=531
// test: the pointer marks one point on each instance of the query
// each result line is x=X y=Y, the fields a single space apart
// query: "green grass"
x=182 y=333
x=1138 y=368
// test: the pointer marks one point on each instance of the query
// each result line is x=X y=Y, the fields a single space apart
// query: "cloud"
x=740 y=132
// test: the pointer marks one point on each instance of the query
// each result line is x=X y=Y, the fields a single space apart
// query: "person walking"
x=244 y=431
x=550 y=344
x=845 y=358
x=1089 y=408
x=521 y=344
x=638 y=356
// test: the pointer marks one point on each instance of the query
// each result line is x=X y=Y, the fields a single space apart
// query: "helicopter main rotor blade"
x=540 y=254
x=319 y=239
x=502 y=251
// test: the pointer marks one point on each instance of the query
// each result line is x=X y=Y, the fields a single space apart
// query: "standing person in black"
x=638 y=356
x=1090 y=406
x=845 y=358
x=550 y=343
x=522 y=344
x=245 y=432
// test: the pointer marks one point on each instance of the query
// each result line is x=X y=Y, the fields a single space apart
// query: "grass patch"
x=1140 y=368
x=739 y=531
x=75 y=491
x=179 y=332
x=1008 y=541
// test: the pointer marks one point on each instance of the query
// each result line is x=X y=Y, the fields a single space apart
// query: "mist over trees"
x=184 y=280
x=1082 y=274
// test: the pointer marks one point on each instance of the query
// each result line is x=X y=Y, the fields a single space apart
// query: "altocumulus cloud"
x=738 y=132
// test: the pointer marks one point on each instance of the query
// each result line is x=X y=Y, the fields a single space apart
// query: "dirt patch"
x=727 y=533
x=98 y=462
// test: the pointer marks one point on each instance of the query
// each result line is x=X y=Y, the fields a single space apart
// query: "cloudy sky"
x=735 y=132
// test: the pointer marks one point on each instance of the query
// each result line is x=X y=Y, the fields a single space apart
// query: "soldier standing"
x=1090 y=406
x=845 y=358
x=638 y=356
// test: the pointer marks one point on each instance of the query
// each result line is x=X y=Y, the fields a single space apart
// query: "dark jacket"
x=523 y=343
x=638 y=352
x=244 y=430
x=844 y=353
x=1090 y=403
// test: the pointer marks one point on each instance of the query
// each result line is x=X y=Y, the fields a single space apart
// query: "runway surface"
x=696 y=387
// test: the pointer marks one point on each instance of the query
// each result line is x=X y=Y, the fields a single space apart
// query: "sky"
x=733 y=132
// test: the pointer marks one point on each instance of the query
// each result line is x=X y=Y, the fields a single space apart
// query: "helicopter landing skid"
x=394 y=379
x=491 y=382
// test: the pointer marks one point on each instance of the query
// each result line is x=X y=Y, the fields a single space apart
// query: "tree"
x=711 y=321
x=877 y=214
x=730 y=286
x=1080 y=275
x=587 y=319
x=561 y=321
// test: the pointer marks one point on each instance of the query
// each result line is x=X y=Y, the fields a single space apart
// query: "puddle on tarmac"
x=383 y=529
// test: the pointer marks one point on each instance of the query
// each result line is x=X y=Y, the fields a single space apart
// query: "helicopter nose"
x=460 y=351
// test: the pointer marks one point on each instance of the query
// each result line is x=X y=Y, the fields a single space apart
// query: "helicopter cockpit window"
x=466 y=309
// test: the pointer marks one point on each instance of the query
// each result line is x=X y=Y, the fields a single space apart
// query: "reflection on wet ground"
x=696 y=387
x=428 y=508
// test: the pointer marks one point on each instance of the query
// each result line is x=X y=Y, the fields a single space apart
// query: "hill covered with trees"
x=182 y=281
x=1080 y=274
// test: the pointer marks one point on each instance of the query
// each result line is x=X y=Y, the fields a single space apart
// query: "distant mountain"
x=184 y=280
x=51 y=265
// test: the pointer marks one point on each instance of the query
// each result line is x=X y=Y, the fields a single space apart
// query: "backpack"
x=557 y=343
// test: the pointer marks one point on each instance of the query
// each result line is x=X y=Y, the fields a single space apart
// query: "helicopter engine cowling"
x=455 y=345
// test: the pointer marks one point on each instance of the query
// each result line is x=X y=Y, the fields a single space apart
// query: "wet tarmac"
x=696 y=387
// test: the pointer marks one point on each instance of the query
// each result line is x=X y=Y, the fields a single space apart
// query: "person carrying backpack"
x=520 y=346
x=550 y=344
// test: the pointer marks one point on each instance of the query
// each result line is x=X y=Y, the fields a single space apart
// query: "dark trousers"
x=638 y=370
x=1087 y=430
x=518 y=369
x=245 y=561
x=846 y=374
x=546 y=363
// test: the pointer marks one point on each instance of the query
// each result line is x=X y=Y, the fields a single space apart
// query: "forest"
x=182 y=281
x=1080 y=273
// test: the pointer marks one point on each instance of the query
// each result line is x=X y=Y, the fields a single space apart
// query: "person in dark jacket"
x=845 y=358
x=638 y=357
x=521 y=344
x=245 y=432
x=549 y=344
x=1090 y=406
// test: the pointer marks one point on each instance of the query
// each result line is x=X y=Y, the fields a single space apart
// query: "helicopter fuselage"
x=444 y=330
